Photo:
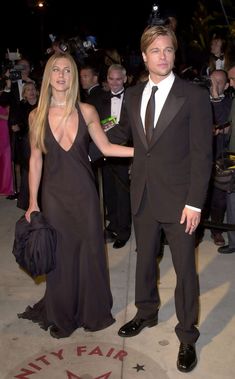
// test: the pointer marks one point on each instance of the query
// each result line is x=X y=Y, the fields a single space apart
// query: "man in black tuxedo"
x=230 y=200
x=91 y=89
x=116 y=181
x=169 y=181
x=91 y=92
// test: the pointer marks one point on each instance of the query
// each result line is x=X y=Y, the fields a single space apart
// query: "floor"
x=26 y=351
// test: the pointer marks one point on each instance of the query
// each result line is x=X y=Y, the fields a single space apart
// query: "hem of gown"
x=37 y=315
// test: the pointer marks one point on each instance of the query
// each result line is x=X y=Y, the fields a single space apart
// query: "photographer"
x=19 y=75
x=230 y=199
x=221 y=106
x=27 y=104
x=6 y=179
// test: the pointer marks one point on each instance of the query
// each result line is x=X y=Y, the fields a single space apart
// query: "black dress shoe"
x=187 y=358
x=134 y=327
x=14 y=196
x=119 y=243
x=56 y=332
x=226 y=250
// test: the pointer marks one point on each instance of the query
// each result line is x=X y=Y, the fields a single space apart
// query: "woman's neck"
x=57 y=103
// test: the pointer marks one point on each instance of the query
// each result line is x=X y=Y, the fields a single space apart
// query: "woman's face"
x=30 y=92
x=61 y=74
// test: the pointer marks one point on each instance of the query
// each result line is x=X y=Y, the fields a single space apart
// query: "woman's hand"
x=30 y=210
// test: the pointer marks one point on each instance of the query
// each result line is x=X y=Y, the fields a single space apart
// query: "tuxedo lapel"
x=137 y=118
x=105 y=106
x=172 y=106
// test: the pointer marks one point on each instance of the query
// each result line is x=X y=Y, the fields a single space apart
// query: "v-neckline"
x=61 y=147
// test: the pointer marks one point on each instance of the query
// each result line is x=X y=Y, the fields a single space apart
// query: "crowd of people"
x=153 y=138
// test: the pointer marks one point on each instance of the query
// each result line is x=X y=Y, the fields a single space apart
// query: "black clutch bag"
x=34 y=245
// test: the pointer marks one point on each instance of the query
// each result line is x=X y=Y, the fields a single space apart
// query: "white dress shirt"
x=116 y=105
x=161 y=94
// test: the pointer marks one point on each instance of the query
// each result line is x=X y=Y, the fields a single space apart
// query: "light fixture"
x=40 y=4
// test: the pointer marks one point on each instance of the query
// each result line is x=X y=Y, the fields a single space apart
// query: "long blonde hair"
x=41 y=112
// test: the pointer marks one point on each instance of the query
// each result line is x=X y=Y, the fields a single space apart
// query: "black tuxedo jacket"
x=94 y=95
x=102 y=102
x=175 y=168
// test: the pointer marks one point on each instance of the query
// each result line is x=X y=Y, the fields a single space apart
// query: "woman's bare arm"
x=99 y=137
x=35 y=172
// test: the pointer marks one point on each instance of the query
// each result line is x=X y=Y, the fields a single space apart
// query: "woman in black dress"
x=78 y=290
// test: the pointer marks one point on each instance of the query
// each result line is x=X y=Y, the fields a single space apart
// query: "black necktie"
x=117 y=94
x=149 y=115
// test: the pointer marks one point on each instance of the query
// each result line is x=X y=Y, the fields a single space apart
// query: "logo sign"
x=88 y=361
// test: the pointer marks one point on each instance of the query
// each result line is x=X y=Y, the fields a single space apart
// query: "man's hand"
x=191 y=218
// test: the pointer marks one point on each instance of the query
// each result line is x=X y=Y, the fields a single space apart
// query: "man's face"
x=87 y=78
x=159 y=58
x=116 y=80
x=216 y=46
x=231 y=77
x=25 y=72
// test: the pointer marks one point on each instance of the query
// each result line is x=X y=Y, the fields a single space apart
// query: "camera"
x=13 y=70
x=191 y=75
x=10 y=70
x=79 y=48
x=155 y=18
x=15 y=73
x=203 y=81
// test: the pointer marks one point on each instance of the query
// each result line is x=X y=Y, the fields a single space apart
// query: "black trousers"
x=182 y=246
x=116 y=188
x=217 y=206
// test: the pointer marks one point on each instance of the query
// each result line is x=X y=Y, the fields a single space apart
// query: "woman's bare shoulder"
x=85 y=107
x=88 y=111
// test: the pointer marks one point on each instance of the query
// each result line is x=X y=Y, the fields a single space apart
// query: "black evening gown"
x=78 y=290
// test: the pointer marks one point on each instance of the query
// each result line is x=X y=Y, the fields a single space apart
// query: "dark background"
x=27 y=27
x=117 y=23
